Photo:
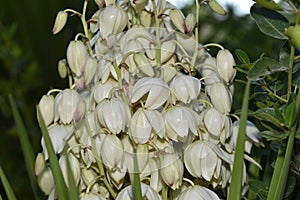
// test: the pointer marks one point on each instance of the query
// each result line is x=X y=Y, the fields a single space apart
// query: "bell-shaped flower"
x=147 y=193
x=112 y=152
x=76 y=57
x=59 y=134
x=252 y=136
x=145 y=18
x=180 y=121
x=216 y=7
x=141 y=154
x=225 y=63
x=167 y=50
x=46 y=181
x=91 y=66
x=69 y=106
x=113 y=114
x=39 y=164
x=143 y=64
x=220 y=97
x=143 y=122
x=90 y=196
x=116 y=176
x=172 y=170
x=214 y=122
x=46 y=106
x=60 y=21
x=74 y=165
x=158 y=92
x=201 y=158
x=103 y=90
x=185 y=88
x=105 y=70
x=112 y=20
x=198 y=192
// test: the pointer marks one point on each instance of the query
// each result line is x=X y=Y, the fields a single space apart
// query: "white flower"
x=198 y=192
x=214 y=122
x=142 y=155
x=75 y=168
x=183 y=25
x=39 y=164
x=143 y=122
x=69 y=106
x=147 y=192
x=46 y=181
x=76 y=56
x=220 y=97
x=172 y=170
x=58 y=134
x=112 y=152
x=91 y=66
x=158 y=92
x=185 y=88
x=46 y=106
x=180 y=121
x=113 y=114
x=201 y=158
x=112 y=20
x=143 y=64
x=225 y=63
x=102 y=90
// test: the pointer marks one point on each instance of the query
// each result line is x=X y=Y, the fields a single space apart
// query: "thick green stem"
x=192 y=67
x=237 y=174
x=136 y=186
x=290 y=73
x=85 y=27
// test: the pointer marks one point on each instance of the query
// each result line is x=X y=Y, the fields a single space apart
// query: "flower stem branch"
x=290 y=72
x=158 y=42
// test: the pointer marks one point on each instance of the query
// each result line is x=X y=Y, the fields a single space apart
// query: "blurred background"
x=29 y=54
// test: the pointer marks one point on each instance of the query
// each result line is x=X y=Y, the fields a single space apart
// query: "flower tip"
x=60 y=22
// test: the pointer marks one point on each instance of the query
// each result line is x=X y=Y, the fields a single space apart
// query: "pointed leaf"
x=269 y=22
x=9 y=192
x=242 y=56
x=269 y=4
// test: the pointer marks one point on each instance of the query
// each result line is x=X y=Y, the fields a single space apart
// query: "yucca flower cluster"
x=142 y=88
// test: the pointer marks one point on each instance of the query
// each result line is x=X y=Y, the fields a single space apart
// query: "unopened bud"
x=145 y=18
x=46 y=106
x=62 y=68
x=39 y=164
x=216 y=7
x=177 y=19
x=60 y=22
x=143 y=64
x=45 y=181
x=225 y=63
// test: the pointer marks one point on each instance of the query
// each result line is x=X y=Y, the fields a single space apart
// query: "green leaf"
x=73 y=191
x=268 y=114
x=263 y=67
x=136 y=186
x=269 y=4
x=242 y=56
x=290 y=185
x=26 y=146
x=290 y=114
x=60 y=184
x=270 y=22
x=237 y=172
x=9 y=192
x=260 y=188
x=274 y=135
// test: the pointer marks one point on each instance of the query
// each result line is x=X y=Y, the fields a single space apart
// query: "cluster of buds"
x=142 y=89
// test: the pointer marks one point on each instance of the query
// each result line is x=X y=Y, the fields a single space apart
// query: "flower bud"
x=220 y=97
x=167 y=50
x=145 y=18
x=225 y=63
x=147 y=193
x=60 y=21
x=112 y=20
x=216 y=7
x=158 y=92
x=172 y=170
x=178 y=20
x=39 y=164
x=293 y=33
x=112 y=153
x=46 y=181
x=62 y=68
x=190 y=22
x=143 y=64
x=76 y=56
x=214 y=122
x=46 y=106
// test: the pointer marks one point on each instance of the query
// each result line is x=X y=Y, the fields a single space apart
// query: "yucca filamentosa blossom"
x=144 y=97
